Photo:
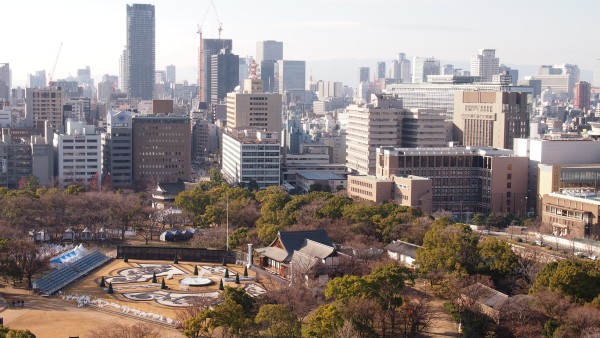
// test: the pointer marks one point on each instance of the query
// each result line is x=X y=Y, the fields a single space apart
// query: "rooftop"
x=315 y=175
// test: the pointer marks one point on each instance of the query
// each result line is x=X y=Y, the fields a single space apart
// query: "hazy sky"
x=524 y=32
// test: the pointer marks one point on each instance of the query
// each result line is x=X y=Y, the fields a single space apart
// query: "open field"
x=54 y=317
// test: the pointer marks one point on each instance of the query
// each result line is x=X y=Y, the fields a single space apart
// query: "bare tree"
x=415 y=316
x=298 y=298
x=520 y=318
x=114 y=330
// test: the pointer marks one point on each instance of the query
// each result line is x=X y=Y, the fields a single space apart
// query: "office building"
x=573 y=213
x=490 y=119
x=42 y=156
x=364 y=74
x=381 y=70
x=79 y=154
x=423 y=67
x=37 y=80
x=464 y=179
x=439 y=95
x=117 y=150
x=253 y=109
x=485 y=65
x=401 y=69
x=290 y=75
x=45 y=104
x=209 y=48
x=381 y=124
x=560 y=79
x=513 y=73
x=162 y=148
x=582 y=95
x=267 y=75
x=15 y=160
x=140 y=51
x=171 y=74
x=5 y=82
x=251 y=155
x=268 y=50
x=224 y=75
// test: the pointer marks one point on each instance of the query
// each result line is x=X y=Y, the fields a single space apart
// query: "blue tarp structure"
x=69 y=256
x=176 y=235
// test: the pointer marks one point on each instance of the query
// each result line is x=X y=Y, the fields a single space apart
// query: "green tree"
x=277 y=321
x=239 y=296
x=232 y=319
x=199 y=325
x=451 y=248
x=216 y=177
x=578 y=279
x=74 y=190
x=325 y=322
x=497 y=258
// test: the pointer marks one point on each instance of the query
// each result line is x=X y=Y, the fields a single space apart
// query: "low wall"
x=183 y=254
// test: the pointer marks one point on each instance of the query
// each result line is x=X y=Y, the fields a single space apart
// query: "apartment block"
x=254 y=109
x=117 y=149
x=45 y=104
x=79 y=155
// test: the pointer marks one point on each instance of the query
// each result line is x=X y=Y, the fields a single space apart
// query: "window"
x=508 y=176
x=510 y=166
x=508 y=185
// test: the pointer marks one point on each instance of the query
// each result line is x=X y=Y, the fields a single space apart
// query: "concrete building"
x=42 y=157
x=326 y=181
x=162 y=149
x=381 y=70
x=381 y=124
x=251 y=156
x=464 y=179
x=269 y=50
x=79 y=153
x=5 y=116
x=422 y=67
x=485 y=64
x=440 y=94
x=225 y=74
x=267 y=75
x=15 y=159
x=209 y=48
x=364 y=74
x=117 y=150
x=490 y=119
x=205 y=140
x=5 y=82
x=560 y=79
x=45 y=104
x=290 y=75
x=327 y=89
x=582 y=95
x=140 y=51
x=413 y=191
x=37 y=80
x=553 y=151
x=254 y=109
x=573 y=214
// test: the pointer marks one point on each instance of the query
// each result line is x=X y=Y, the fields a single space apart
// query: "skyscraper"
x=423 y=67
x=485 y=64
x=269 y=50
x=171 y=74
x=139 y=55
x=380 y=70
x=224 y=75
x=582 y=95
x=5 y=85
x=363 y=74
x=290 y=75
x=209 y=48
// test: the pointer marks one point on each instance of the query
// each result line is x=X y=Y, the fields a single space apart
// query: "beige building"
x=370 y=188
x=413 y=191
x=254 y=109
x=490 y=118
x=574 y=215
x=464 y=179
x=385 y=123
x=161 y=149
x=45 y=104
x=567 y=178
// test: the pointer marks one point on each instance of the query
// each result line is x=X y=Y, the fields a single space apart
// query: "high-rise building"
x=485 y=64
x=381 y=124
x=269 y=50
x=506 y=70
x=490 y=119
x=290 y=75
x=37 y=80
x=140 y=52
x=364 y=74
x=582 y=95
x=209 y=48
x=162 y=149
x=170 y=71
x=267 y=75
x=117 y=159
x=224 y=75
x=45 y=104
x=380 y=70
x=447 y=70
x=79 y=154
x=422 y=67
x=5 y=81
x=15 y=160
x=560 y=79
x=254 y=109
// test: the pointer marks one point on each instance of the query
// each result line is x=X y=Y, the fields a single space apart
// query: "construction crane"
x=220 y=29
x=52 y=83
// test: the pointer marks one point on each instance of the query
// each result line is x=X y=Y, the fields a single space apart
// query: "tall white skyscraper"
x=485 y=64
x=424 y=66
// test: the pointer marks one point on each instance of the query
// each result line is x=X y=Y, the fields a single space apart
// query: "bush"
x=449 y=307
x=110 y=288
x=519 y=240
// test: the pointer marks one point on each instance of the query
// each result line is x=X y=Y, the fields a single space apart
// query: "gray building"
x=117 y=160
x=363 y=74
x=380 y=70
x=140 y=51
x=290 y=75
x=224 y=75
x=269 y=50
x=267 y=75
x=210 y=47
x=5 y=81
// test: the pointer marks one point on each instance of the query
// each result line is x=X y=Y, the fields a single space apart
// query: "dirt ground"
x=54 y=317
x=442 y=324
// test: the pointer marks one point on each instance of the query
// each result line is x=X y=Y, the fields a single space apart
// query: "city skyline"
x=531 y=33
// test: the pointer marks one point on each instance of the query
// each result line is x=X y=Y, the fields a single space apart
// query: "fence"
x=183 y=254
